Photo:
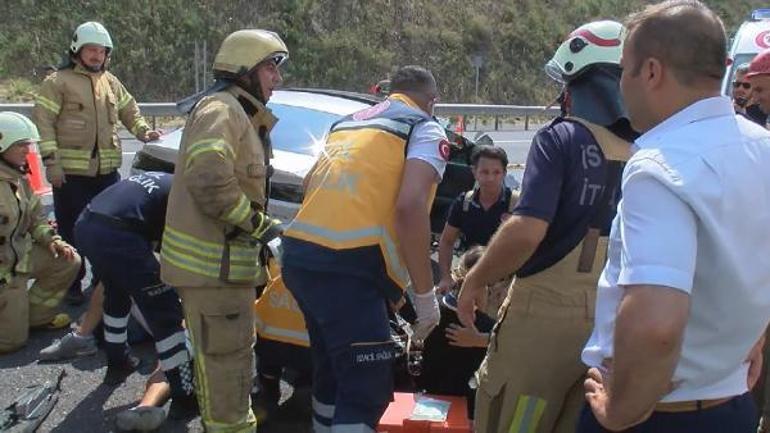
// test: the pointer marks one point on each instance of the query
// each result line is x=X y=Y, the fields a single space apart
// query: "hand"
x=55 y=176
x=471 y=296
x=598 y=398
x=428 y=314
x=462 y=336
x=61 y=248
x=446 y=284
x=755 y=363
x=151 y=135
x=265 y=228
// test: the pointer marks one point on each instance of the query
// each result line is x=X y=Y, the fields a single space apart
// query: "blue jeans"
x=738 y=415
x=351 y=347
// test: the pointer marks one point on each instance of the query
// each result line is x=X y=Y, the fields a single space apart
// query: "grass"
x=17 y=90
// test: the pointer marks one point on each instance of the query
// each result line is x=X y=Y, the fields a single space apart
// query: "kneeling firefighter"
x=555 y=242
x=29 y=246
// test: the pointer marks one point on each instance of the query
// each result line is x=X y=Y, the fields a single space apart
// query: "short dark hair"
x=684 y=35
x=412 y=78
x=466 y=262
x=490 y=152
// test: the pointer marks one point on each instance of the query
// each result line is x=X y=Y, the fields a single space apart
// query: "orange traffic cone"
x=35 y=175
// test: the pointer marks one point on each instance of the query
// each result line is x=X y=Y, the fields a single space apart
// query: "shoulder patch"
x=444 y=149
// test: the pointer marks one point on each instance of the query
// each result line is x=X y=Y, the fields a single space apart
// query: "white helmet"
x=596 y=43
x=90 y=33
x=15 y=127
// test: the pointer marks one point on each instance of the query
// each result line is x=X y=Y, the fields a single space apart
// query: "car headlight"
x=286 y=192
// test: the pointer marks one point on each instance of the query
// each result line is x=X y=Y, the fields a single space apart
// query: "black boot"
x=184 y=405
x=265 y=404
x=118 y=373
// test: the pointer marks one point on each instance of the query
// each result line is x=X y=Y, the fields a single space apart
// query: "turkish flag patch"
x=443 y=149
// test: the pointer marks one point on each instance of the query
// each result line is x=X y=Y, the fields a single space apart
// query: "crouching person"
x=283 y=344
x=117 y=232
x=29 y=246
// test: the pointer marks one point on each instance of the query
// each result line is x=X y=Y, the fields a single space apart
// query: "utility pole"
x=477 y=60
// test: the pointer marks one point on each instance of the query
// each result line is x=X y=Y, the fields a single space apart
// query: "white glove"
x=428 y=314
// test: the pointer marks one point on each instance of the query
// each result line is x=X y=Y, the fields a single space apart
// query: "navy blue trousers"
x=351 y=346
x=70 y=200
x=738 y=415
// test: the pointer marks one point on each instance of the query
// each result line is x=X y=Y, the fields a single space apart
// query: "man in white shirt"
x=685 y=296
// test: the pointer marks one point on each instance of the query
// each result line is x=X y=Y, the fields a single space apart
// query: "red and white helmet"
x=596 y=43
x=760 y=65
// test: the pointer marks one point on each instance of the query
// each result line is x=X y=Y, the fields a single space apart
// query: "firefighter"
x=77 y=111
x=217 y=225
x=555 y=242
x=131 y=214
x=361 y=233
x=29 y=246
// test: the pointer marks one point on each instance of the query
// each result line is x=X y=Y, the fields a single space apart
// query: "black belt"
x=117 y=223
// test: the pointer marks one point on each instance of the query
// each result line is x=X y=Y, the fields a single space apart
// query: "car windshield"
x=300 y=129
x=737 y=61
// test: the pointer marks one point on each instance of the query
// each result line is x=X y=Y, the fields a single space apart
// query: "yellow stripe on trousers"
x=529 y=410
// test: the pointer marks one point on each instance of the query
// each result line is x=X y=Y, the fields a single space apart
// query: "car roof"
x=335 y=102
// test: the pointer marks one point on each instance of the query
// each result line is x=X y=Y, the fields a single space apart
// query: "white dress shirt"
x=695 y=217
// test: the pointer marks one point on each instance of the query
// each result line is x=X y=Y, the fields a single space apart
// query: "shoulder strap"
x=613 y=147
x=467 y=199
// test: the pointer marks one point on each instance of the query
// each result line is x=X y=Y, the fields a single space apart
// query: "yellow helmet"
x=244 y=49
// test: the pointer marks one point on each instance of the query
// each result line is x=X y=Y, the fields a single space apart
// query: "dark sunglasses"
x=744 y=84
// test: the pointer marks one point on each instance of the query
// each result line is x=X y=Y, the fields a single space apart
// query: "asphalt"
x=87 y=406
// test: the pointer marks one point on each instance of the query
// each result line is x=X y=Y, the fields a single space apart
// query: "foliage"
x=345 y=44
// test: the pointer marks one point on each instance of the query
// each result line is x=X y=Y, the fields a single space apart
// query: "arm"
x=511 y=246
x=208 y=160
x=656 y=273
x=413 y=222
x=48 y=103
x=445 y=248
x=649 y=330
x=129 y=114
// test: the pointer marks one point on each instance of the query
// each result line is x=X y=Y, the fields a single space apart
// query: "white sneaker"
x=144 y=418
x=69 y=346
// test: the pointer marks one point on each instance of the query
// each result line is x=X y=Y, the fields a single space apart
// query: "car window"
x=737 y=61
x=299 y=129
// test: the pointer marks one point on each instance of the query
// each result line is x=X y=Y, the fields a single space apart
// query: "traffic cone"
x=35 y=174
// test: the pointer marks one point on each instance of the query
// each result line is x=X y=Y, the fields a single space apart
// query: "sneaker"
x=69 y=346
x=141 y=418
x=117 y=374
x=183 y=408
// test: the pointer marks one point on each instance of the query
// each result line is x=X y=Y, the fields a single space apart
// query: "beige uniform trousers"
x=221 y=325
x=531 y=380
x=21 y=308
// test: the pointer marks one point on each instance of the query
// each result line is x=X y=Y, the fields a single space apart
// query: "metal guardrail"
x=163 y=109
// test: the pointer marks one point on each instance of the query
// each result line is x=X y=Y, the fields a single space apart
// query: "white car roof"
x=338 y=105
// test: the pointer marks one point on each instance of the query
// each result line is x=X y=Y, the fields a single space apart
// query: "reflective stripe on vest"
x=277 y=314
x=205 y=258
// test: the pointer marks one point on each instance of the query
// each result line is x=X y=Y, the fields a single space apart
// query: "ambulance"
x=752 y=37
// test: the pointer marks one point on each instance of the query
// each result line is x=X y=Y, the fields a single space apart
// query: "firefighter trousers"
x=220 y=321
x=21 y=308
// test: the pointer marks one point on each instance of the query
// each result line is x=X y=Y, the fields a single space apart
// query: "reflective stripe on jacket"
x=219 y=185
x=77 y=113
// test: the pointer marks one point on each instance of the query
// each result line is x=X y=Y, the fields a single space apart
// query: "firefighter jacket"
x=22 y=221
x=77 y=113
x=351 y=197
x=218 y=193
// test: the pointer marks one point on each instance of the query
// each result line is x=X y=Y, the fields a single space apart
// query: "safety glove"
x=266 y=228
x=428 y=314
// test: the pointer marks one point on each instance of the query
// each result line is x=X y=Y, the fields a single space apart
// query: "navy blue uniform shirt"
x=564 y=178
x=139 y=199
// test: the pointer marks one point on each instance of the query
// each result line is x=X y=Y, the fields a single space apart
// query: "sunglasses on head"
x=746 y=85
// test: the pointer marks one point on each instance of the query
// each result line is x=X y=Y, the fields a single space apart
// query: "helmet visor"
x=554 y=71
